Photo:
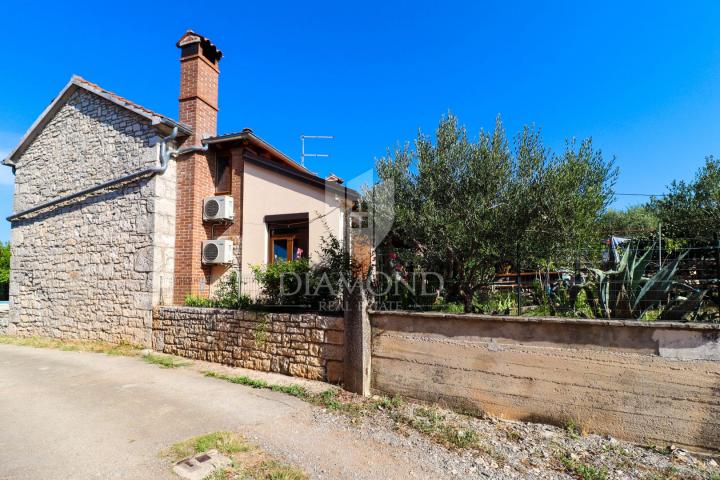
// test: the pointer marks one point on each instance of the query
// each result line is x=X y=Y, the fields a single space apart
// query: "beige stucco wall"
x=269 y=193
x=655 y=383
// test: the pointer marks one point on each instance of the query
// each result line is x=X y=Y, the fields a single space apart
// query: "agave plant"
x=627 y=292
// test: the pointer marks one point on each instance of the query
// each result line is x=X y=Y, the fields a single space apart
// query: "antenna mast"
x=302 y=143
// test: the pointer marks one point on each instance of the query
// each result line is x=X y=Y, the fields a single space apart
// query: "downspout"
x=165 y=154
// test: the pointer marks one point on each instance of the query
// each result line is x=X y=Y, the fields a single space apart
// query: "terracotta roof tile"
x=122 y=100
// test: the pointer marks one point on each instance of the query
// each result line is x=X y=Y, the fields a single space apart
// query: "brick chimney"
x=199 y=72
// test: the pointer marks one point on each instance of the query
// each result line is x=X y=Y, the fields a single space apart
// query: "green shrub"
x=284 y=283
x=227 y=295
x=4 y=268
x=298 y=282
x=495 y=303
x=198 y=301
x=583 y=471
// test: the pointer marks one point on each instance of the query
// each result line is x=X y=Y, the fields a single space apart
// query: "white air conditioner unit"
x=217 y=251
x=218 y=208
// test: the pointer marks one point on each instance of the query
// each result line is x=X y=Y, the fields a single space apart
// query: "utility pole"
x=302 y=147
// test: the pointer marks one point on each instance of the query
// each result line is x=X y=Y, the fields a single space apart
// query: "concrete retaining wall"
x=645 y=382
x=301 y=345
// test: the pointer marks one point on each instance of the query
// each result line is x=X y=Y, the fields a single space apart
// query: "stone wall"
x=646 y=382
x=3 y=319
x=92 y=268
x=301 y=345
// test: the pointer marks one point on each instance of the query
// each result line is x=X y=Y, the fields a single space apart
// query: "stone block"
x=316 y=336
x=298 y=370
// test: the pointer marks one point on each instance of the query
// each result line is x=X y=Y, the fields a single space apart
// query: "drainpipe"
x=165 y=154
x=197 y=148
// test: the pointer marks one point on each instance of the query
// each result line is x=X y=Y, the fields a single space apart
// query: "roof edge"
x=78 y=82
x=308 y=178
x=248 y=134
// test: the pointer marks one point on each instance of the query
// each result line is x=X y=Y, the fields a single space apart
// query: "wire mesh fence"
x=291 y=292
x=641 y=278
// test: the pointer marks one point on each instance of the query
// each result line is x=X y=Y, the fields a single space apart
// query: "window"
x=222 y=174
x=359 y=217
x=288 y=237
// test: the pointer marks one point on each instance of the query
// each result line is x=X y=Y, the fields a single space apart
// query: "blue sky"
x=641 y=78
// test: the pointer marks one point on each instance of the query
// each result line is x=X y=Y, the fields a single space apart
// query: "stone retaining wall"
x=4 y=312
x=657 y=383
x=301 y=345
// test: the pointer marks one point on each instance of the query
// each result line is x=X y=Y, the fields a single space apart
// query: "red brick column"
x=199 y=74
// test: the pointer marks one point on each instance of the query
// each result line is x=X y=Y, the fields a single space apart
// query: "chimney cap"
x=208 y=48
x=334 y=178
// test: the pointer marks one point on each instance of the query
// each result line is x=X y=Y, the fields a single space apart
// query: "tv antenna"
x=302 y=142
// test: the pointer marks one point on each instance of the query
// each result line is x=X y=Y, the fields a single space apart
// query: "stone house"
x=119 y=209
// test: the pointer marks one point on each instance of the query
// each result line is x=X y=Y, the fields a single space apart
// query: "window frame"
x=225 y=158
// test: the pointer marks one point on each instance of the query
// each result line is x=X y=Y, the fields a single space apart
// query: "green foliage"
x=334 y=271
x=224 y=442
x=260 y=333
x=284 y=283
x=464 y=206
x=165 y=361
x=298 y=282
x=4 y=263
x=582 y=471
x=198 y=301
x=227 y=295
x=627 y=292
x=692 y=209
x=639 y=221
x=572 y=429
x=500 y=303
x=294 y=390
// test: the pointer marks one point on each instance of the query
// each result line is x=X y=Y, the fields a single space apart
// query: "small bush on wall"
x=313 y=285
x=227 y=295
x=284 y=283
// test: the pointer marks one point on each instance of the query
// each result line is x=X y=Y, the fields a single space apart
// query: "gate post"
x=357 y=342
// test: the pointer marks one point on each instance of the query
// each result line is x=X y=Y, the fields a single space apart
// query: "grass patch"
x=293 y=389
x=165 y=361
x=512 y=435
x=274 y=470
x=330 y=399
x=96 y=346
x=248 y=461
x=572 y=429
x=226 y=443
x=583 y=471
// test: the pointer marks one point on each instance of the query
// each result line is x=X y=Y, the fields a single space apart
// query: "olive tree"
x=691 y=210
x=465 y=206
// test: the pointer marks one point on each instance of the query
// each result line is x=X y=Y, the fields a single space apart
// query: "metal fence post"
x=518 y=279
x=717 y=268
